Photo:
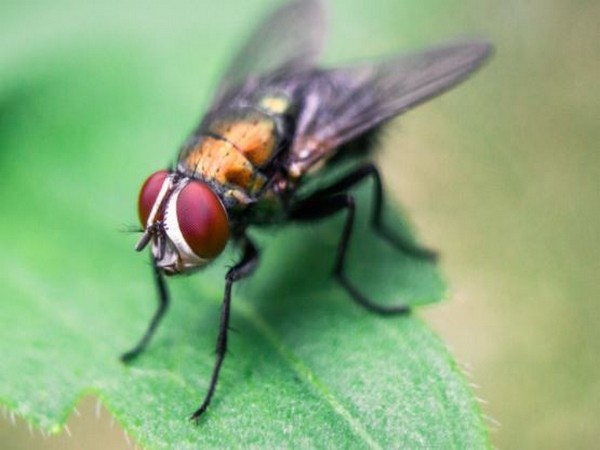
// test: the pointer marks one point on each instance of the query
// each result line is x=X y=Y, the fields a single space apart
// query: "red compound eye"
x=149 y=193
x=202 y=220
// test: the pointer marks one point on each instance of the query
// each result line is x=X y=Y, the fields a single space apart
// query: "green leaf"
x=82 y=122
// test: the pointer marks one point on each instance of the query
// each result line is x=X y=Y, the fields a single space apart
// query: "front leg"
x=241 y=270
x=163 y=304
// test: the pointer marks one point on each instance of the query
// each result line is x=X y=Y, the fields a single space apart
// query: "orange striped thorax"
x=233 y=148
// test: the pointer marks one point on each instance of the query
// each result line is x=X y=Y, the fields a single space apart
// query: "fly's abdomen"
x=233 y=151
x=216 y=160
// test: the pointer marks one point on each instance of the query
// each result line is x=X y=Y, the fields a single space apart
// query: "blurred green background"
x=501 y=175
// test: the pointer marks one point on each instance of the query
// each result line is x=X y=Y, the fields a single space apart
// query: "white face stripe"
x=159 y=199
x=171 y=252
x=187 y=255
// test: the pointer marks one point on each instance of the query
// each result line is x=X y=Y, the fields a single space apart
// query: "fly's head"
x=183 y=219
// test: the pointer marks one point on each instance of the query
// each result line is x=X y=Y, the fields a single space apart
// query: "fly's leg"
x=163 y=303
x=318 y=207
x=241 y=270
x=355 y=177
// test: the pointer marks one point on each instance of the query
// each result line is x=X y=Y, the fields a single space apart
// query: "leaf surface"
x=82 y=122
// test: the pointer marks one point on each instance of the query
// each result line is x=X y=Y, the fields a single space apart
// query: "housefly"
x=276 y=117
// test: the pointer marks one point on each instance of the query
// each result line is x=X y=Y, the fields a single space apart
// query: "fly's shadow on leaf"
x=297 y=264
x=17 y=109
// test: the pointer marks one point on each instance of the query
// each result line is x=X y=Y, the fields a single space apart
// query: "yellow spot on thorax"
x=275 y=104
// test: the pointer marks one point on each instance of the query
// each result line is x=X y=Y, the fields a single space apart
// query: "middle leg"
x=316 y=208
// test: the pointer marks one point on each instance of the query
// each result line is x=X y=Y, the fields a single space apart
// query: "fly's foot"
x=129 y=356
x=195 y=418
x=403 y=245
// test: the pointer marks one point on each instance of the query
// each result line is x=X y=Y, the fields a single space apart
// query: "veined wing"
x=288 y=41
x=347 y=102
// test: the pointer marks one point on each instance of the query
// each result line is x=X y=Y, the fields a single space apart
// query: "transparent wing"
x=355 y=99
x=289 y=40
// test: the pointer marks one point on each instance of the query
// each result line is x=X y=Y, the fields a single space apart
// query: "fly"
x=276 y=117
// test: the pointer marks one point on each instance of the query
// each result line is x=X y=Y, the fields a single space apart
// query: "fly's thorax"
x=184 y=219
